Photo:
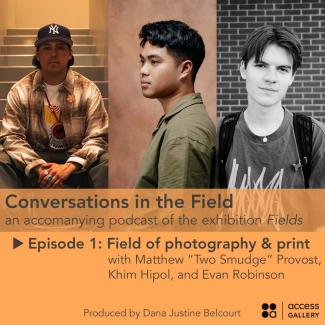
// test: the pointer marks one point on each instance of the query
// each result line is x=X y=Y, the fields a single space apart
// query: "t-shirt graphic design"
x=248 y=181
x=55 y=128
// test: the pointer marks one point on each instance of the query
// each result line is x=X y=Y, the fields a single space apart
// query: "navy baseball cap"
x=53 y=32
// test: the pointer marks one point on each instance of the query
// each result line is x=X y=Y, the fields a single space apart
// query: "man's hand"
x=53 y=175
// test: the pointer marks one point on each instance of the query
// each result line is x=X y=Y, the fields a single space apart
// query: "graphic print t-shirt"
x=256 y=163
x=55 y=129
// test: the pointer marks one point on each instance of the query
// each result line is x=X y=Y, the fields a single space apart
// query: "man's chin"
x=148 y=95
x=54 y=68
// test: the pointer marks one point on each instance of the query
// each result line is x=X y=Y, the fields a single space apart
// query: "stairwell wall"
x=37 y=13
x=98 y=24
x=6 y=17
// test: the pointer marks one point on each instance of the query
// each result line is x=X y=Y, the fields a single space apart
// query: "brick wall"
x=237 y=18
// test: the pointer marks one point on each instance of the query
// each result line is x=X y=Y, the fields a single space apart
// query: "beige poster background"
x=133 y=117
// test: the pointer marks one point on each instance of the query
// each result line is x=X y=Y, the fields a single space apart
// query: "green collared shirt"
x=182 y=151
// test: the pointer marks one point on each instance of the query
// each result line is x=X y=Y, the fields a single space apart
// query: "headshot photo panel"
x=270 y=95
x=161 y=62
x=53 y=105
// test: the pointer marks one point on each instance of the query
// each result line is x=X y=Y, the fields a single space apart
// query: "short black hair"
x=263 y=36
x=180 y=40
x=36 y=63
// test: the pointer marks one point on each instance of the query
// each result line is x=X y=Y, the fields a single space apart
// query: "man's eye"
x=154 y=62
x=260 y=65
x=284 y=69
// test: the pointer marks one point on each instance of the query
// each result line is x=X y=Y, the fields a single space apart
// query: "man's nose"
x=270 y=75
x=144 y=69
x=53 y=51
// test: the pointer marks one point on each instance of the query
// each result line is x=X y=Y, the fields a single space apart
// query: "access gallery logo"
x=269 y=310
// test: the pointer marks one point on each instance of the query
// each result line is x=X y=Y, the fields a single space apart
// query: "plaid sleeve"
x=13 y=134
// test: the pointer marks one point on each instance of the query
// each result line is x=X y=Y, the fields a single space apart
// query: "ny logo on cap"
x=54 y=29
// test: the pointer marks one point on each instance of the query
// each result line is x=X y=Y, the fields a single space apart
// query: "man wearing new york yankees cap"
x=54 y=130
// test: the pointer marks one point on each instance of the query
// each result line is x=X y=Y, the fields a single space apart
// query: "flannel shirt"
x=84 y=119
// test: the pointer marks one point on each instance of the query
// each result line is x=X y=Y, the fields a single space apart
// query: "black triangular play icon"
x=16 y=243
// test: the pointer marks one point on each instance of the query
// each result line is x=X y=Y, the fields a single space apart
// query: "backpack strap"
x=303 y=128
x=226 y=134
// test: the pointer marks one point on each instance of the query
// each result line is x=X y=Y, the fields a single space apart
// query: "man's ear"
x=242 y=70
x=71 y=54
x=186 y=69
x=36 y=55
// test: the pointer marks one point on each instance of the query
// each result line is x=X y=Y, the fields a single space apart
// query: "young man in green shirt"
x=182 y=151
